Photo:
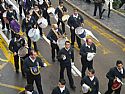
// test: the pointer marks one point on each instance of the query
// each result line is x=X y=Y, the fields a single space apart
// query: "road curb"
x=100 y=23
x=119 y=13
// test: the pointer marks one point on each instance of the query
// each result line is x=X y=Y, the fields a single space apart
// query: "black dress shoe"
x=73 y=87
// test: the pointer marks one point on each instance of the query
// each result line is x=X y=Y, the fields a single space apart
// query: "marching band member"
x=37 y=14
x=115 y=73
x=46 y=4
x=3 y=5
x=61 y=88
x=32 y=66
x=86 y=48
x=11 y=15
x=66 y=59
x=14 y=46
x=90 y=83
x=60 y=11
x=28 y=23
x=53 y=37
x=74 y=21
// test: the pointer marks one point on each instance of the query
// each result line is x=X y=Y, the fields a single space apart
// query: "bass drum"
x=116 y=84
x=34 y=34
x=42 y=22
x=61 y=42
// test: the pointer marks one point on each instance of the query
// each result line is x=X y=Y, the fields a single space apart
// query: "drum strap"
x=57 y=35
x=60 y=9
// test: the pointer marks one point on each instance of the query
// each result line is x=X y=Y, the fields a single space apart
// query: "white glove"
x=72 y=63
x=72 y=27
x=45 y=65
x=54 y=42
x=63 y=57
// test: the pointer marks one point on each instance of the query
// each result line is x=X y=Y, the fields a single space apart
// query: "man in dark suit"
x=60 y=11
x=61 y=88
x=53 y=37
x=113 y=74
x=66 y=58
x=32 y=66
x=88 y=47
x=74 y=21
x=91 y=81
x=28 y=23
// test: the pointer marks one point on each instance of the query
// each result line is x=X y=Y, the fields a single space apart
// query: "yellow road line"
x=12 y=86
x=6 y=52
x=106 y=35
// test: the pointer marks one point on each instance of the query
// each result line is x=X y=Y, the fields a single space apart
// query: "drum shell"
x=15 y=26
x=42 y=22
x=116 y=85
x=34 y=34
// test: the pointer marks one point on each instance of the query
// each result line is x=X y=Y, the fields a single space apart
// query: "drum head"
x=31 y=33
x=42 y=22
x=79 y=30
x=61 y=42
x=51 y=10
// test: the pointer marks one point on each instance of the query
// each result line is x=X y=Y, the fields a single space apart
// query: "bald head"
x=89 y=41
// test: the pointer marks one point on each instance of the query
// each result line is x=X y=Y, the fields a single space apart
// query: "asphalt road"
x=109 y=49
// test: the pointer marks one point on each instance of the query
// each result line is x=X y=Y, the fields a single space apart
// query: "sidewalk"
x=116 y=22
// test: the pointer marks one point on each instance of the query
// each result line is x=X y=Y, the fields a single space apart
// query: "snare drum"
x=42 y=22
x=50 y=10
x=80 y=32
x=61 y=42
x=65 y=17
x=34 y=34
x=14 y=25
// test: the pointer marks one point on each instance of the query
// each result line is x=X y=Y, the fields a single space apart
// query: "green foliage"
x=116 y=4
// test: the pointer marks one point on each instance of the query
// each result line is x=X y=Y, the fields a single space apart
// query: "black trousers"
x=22 y=63
x=63 y=25
x=54 y=47
x=109 y=91
x=20 y=10
x=85 y=65
x=37 y=78
x=73 y=35
x=99 y=6
x=16 y=62
x=109 y=10
x=69 y=74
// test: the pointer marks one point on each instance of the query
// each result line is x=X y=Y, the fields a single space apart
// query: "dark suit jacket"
x=56 y=90
x=94 y=84
x=84 y=50
x=114 y=72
